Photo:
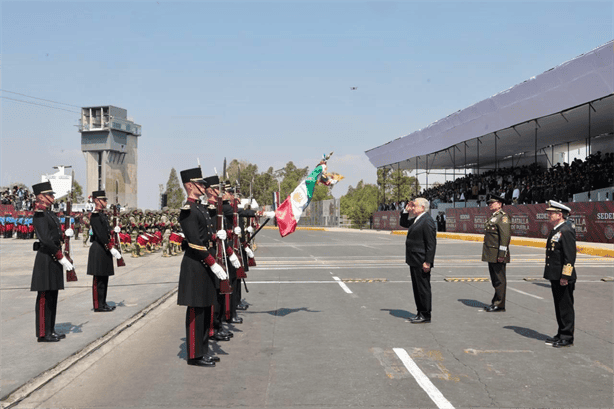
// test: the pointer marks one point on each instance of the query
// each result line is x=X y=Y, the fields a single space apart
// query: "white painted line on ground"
x=522 y=292
x=422 y=379
x=342 y=284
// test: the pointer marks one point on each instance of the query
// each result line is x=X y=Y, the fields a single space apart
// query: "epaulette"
x=186 y=207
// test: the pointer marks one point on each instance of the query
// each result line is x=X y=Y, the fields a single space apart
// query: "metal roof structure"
x=571 y=102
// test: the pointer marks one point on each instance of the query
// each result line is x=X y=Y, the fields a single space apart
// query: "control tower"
x=109 y=141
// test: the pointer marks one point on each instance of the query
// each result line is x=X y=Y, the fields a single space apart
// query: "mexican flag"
x=290 y=211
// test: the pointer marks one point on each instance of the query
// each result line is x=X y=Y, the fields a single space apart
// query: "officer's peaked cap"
x=494 y=198
x=555 y=206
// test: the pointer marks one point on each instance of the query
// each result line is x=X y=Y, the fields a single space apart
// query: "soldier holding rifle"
x=199 y=269
x=101 y=253
x=47 y=277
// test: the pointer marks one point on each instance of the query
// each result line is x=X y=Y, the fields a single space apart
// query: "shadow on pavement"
x=281 y=312
x=527 y=332
x=400 y=313
x=473 y=303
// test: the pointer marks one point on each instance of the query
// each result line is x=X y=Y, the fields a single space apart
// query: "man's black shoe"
x=212 y=358
x=494 y=308
x=420 y=320
x=242 y=307
x=561 y=343
x=236 y=320
x=48 y=338
x=59 y=336
x=104 y=308
x=201 y=362
x=550 y=341
x=219 y=337
x=225 y=333
x=108 y=306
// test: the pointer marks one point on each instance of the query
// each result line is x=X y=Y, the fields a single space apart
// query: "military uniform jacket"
x=196 y=280
x=421 y=240
x=497 y=236
x=100 y=260
x=47 y=274
x=561 y=253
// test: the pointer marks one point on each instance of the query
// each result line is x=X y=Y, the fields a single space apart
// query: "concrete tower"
x=109 y=141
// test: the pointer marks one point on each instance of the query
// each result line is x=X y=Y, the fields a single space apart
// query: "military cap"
x=555 y=206
x=43 y=188
x=494 y=198
x=212 y=181
x=194 y=175
x=99 y=194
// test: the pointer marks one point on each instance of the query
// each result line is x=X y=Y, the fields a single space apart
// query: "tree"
x=291 y=176
x=402 y=186
x=76 y=195
x=174 y=191
x=359 y=203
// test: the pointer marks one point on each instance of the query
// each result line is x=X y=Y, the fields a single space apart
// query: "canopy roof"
x=556 y=103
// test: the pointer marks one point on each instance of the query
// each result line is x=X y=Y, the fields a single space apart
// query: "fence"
x=325 y=213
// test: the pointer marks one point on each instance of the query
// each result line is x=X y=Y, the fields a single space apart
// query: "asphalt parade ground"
x=326 y=328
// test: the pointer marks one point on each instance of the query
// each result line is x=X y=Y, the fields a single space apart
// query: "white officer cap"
x=557 y=207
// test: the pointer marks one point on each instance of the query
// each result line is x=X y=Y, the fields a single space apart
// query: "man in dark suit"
x=420 y=245
x=560 y=270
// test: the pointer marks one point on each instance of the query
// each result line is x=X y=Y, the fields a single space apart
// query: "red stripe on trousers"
x=192 y=333
x=95 y=292
x=211 y=329
x=41 y=315
x=227 y=307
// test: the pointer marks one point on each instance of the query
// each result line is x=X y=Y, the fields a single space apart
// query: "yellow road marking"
x=463 y=279
x=493 y=351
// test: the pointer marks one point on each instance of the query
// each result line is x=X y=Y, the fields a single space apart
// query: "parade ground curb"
x=63 y=366
x=522 y=241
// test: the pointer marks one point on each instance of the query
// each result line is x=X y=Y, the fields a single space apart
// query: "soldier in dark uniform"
x=497 y=236
x=102 y=251
x=198 y=269
x=47 y=278
x=560 y=270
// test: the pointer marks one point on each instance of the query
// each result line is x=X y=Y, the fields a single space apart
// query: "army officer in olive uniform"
x=497 y=236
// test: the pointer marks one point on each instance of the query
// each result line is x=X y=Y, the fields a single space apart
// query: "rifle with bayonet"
x=71 y=275
x=220 y=256
x=120 y=261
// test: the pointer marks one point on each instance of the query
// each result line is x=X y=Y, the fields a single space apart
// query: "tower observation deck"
x=109 y=141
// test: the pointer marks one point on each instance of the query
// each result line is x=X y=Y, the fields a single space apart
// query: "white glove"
x=117 y=229
x=234 y=260
x=69 y=232
x=221 y=234
x=66 y=264
x=116 y=253
x=219 y=271
x=249 y=252
x=268 y=215
x=237 y=230
x=250 y=229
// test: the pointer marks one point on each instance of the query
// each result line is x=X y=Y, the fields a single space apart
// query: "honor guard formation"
x=213 y=230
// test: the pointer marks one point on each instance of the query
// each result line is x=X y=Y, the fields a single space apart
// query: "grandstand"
x=552 y=120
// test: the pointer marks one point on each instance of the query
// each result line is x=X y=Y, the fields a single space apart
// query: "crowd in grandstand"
x=20 y=197
x=530 y=184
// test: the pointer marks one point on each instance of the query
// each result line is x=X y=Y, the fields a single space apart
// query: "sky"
x=265 y=82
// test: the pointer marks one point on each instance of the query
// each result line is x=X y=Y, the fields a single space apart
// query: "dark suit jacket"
x=421 y=240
